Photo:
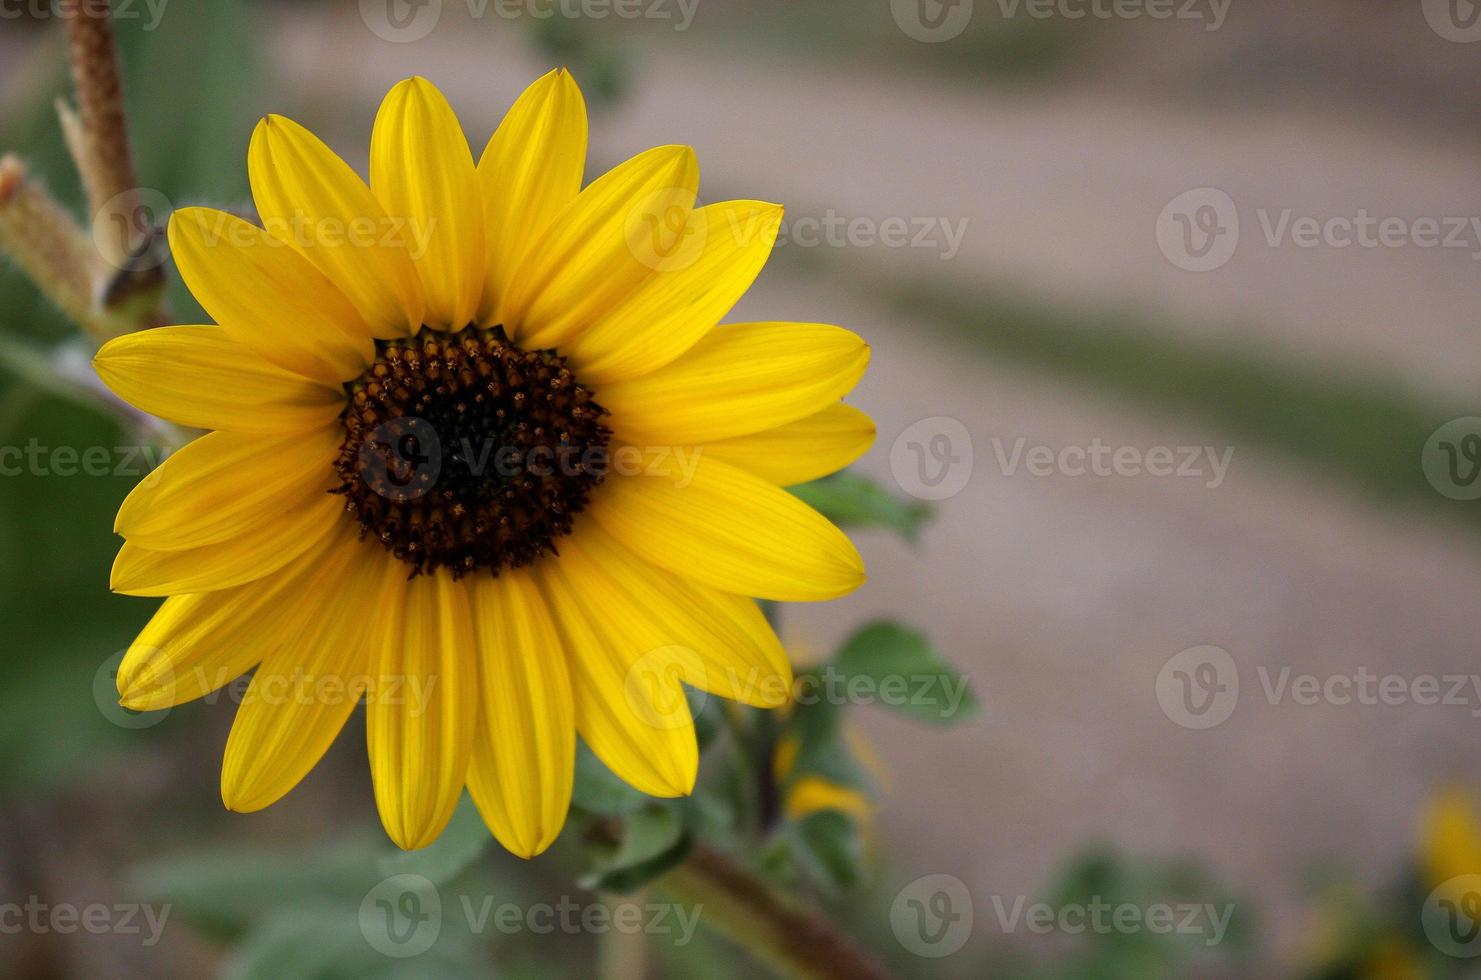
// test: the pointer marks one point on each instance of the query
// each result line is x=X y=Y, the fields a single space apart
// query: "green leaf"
x=464 y=840
x=653 y=841
x=905 y=674
x=599 y=790
x=851 y=500
x=829 y=849
x=223 y=891
x=647 y=834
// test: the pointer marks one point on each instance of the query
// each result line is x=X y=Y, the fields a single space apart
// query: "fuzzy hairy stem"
x=53 y=252
x=101 y=141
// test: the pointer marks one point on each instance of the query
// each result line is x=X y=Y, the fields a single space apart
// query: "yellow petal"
x=245 y=558
x=305 y=689
x=718 y=524
x=268 y=297
x=197 y=643
x=735 y=652
x=683 y=300
x=632 y=713
x=800 y=451
x=201 y=378
x=602 y=246
x=739 y=379
x=529 y=172
x=422 y=171
x=423 y=704
x=224 y=485
x=309 y=197
x=524 y=749
x=810 y=794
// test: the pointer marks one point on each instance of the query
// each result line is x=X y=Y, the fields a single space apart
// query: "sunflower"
x=480 y=457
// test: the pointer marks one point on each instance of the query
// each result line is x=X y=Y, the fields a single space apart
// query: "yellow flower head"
x=480 y=456
x=1451 y=845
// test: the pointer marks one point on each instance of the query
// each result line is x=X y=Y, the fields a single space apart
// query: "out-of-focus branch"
x=99 y=140
x=97 y=136
x=788 y=936
x=48 y=246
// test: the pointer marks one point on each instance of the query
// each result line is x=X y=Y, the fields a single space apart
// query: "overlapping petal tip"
x=268 y=297
x=423 y=707
x=310 y=198
x=602 y=246
x=422 y=172
x=530 y=171
x=722 y=249
x=523 y=764
x=739 y=379
x=198 y=376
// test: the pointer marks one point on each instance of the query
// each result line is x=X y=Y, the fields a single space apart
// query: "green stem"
x=774 y=927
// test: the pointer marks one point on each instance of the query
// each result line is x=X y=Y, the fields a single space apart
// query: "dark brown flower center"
x=462 y=451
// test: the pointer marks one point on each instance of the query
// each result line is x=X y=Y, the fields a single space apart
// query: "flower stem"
x=50 y=248
x=97 y=136
x=792 y=939
x=101 y=141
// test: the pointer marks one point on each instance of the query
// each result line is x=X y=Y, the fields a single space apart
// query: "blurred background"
x=1229 y=250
